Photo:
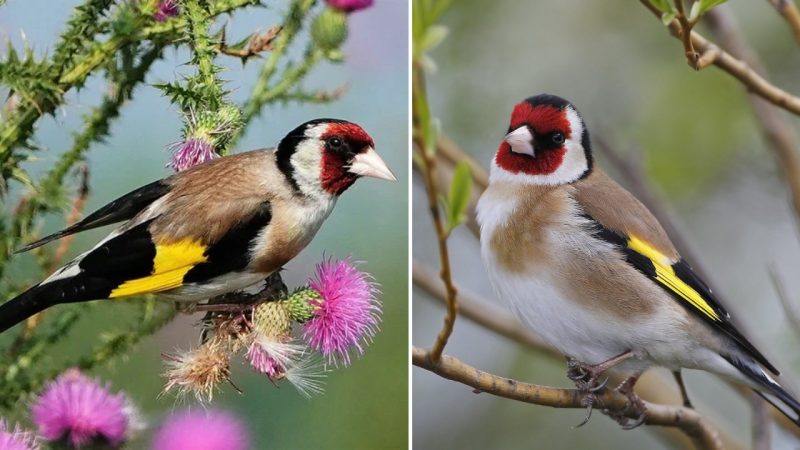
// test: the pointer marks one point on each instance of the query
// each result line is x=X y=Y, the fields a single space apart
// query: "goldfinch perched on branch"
x=215 y=228
x=589 y=269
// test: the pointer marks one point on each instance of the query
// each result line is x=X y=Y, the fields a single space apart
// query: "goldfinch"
x=215 y=228
x=583 y=263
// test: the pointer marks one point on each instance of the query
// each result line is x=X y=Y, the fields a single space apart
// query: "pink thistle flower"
x=350 y=5
x=191 y=152
x=81 y=411
x=165 y=10
x=348 y=313
x=202 y=430
x=272 y=357
x=16 y=439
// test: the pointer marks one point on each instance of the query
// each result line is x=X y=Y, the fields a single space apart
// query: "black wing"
x=680 y=281
x=123 y=208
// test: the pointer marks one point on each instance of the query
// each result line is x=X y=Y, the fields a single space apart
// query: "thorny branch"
x=688 y=420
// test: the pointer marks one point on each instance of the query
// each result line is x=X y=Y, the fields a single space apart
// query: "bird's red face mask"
x=348 y=154
x=544 y=141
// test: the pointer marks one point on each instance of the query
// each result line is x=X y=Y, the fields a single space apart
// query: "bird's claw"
x=599 y=386
x=588 y=402
x=584 y=376
x=636 y=405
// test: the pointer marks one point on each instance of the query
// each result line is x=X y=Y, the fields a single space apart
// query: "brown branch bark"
x=790 y=13
x=654 y=387
x=432 y=190
x=776 y=129
x=737 y=68
x=688 y=420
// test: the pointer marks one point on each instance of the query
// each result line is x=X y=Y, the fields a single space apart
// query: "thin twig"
x=788 y=308
x=686 y=35
x=688 y=420
x=777 y=131
x=737 y=68
x=432 y=190
x=790 y=13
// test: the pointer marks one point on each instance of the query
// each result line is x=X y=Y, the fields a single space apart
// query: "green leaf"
x=705 y=5
x=694 y=13
x=667 y=18
x=664 y=6
x=433 y=37
x=459 y=195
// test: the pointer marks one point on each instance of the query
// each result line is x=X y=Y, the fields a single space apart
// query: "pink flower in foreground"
x=165 y=10
x=272 y=357
x=190 y=153
x=348 y=313
x=202 y=430
x=350 y=5
x=16 y=439
x=81 y=411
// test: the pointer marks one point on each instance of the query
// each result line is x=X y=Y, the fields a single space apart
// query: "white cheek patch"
x=307 y=163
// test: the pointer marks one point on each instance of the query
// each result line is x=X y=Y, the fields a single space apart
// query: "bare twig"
x=775 y=127
x=788 y=308
x=432 y=190
x=685 y=34
x=688 y=420
x=790 y=13
x=737 y=68
x=259 y=42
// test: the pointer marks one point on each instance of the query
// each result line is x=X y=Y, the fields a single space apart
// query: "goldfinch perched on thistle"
x=215 y=228
x=587 y=266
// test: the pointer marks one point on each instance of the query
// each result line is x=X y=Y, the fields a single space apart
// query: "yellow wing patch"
x=665 y=275
x=170 y=265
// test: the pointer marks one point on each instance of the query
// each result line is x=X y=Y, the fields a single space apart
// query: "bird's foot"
x=636 y=407
x=588 y=403
x=585 y=376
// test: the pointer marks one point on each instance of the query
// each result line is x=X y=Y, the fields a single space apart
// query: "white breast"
x=539 y=299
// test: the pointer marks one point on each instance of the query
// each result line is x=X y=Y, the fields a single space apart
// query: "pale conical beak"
x=521 y=141
x=369 y=164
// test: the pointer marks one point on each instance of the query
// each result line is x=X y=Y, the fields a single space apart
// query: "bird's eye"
x=335 y=143
x=557 y=138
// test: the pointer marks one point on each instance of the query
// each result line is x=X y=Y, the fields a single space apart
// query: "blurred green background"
x=695 y=135
x=364 y=406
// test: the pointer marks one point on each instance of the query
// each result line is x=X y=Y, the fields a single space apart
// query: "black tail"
x=770 y=390
x=30 y=302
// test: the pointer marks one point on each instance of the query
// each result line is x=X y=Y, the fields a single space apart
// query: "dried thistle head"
x=230 y=331
x=199 y=371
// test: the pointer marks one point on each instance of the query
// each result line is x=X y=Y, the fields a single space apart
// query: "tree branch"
x=688 y=420
x=790 y=13
x=777 y=131
x=737 y=68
